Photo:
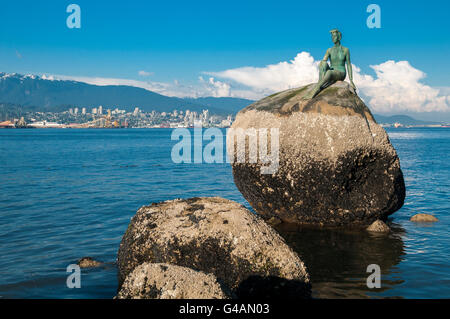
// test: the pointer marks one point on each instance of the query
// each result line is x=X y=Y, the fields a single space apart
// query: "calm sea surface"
x=65 y=194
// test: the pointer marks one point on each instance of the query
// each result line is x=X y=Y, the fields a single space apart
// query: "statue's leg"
x=327 y=79
x=331 y=77
x=323 y=68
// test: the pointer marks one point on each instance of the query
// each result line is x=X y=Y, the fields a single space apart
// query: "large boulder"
x=336 y=164
x=213 y=235
x=164 y=281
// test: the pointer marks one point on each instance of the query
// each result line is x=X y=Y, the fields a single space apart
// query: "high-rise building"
x=100 y=110
x=136 y=111
x=94 y=110
x=75 y=111
x=205 y=116
x=83 y=111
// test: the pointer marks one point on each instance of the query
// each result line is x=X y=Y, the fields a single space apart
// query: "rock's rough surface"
x=336 y=164
x=164 y=281
x=89 y=262
x=213 y=235
x=379 y=226
x=423 y=218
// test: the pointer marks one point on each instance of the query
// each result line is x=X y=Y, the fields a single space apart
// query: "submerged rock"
x=258 y=287
x=423 y=218
x=378 y=226
x=213 y=235
x=164 y=281
x=89 y=262
x=336 y=164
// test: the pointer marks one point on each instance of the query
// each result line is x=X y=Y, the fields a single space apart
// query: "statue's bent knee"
x=323 y=65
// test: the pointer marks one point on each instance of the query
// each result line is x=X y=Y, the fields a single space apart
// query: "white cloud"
x=275 y=77
x=216 y=88
x=396 y=87
x=145 y=73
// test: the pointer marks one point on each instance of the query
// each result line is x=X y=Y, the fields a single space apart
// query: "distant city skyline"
x=235 y=49
x=116 y=118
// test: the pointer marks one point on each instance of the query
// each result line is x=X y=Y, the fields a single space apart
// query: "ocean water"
x=65 y=194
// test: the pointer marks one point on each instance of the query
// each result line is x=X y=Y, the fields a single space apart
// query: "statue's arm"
x=349 y=68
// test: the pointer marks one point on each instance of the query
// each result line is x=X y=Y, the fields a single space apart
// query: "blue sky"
x=181 y=40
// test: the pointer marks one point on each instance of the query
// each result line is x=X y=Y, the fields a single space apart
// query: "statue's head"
x=336 y=35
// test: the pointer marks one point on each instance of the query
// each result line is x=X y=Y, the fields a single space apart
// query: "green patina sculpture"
x=339 y=56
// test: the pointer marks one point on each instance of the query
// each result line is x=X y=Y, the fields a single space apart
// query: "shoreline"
x=159 y=127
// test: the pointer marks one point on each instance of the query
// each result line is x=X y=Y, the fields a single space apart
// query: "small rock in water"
x=379 y=227
x=423 y=218
x=89 y=262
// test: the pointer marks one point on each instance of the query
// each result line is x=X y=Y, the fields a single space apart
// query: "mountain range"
x=32 y=92
x=402 y=119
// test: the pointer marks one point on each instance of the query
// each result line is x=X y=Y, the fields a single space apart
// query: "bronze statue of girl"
x=339 y=56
